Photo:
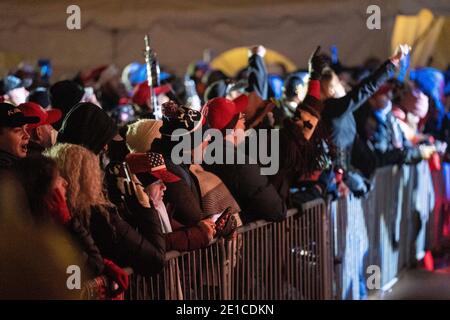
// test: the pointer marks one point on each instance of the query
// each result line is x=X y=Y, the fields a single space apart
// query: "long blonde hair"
x=81 y=168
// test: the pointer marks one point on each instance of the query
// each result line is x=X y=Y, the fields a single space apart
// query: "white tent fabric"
x=113 y=31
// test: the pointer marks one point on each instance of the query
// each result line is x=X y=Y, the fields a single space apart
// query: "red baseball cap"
x=142 y=92
x=223 y=113
x=31 y=109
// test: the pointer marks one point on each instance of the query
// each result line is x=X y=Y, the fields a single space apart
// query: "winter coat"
x=83 y=238
x=387 y=140
x=8 y=162
x=144 y=251
x=185 y=238
x=256 y=196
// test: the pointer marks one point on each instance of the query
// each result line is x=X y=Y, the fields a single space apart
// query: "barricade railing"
x=283 y=260
x=385 y=231
x=320 y=252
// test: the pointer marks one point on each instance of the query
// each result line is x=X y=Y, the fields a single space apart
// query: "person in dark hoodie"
x=63 y=96
x=338 y=113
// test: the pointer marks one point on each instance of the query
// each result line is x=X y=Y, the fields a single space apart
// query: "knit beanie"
x=89 y=126
x=140 y=135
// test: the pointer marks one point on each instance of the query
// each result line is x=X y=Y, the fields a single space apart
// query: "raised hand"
x=400 y=52
x=316 y=64
x=259 y=50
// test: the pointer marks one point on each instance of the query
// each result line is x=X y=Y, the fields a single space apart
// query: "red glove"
x=57 y=206
x=117 y=274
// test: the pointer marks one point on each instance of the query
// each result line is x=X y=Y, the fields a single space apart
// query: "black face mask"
x=117 y=151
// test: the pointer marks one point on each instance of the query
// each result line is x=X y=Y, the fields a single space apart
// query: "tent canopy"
x=113 y=31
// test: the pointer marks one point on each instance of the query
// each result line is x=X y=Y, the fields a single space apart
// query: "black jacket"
x=144 y=251
x=385 y=139
x=84 y=239
x=338 y=113
x=8 y=161
x=254 y=193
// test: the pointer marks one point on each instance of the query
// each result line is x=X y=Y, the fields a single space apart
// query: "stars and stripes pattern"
x=156 y=161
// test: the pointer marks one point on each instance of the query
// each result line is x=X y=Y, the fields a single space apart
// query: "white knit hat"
x=140 y=135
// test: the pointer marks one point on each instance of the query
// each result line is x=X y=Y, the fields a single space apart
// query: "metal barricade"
x=284 y=260
x=386 y=229
x=320 y=252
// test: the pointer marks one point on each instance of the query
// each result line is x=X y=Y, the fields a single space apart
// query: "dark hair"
x=290 y=87
x=38 y=174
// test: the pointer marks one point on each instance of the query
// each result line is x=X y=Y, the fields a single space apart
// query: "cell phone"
x=223 y=217
x=127 y=171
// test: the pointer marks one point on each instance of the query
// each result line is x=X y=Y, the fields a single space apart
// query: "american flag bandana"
x=150 y=162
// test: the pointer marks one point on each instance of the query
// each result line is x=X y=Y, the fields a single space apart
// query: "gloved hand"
x=316 y=64
x=117 y=274
x=57 y=207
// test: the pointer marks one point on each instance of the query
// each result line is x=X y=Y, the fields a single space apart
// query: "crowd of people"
x=89 y=158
